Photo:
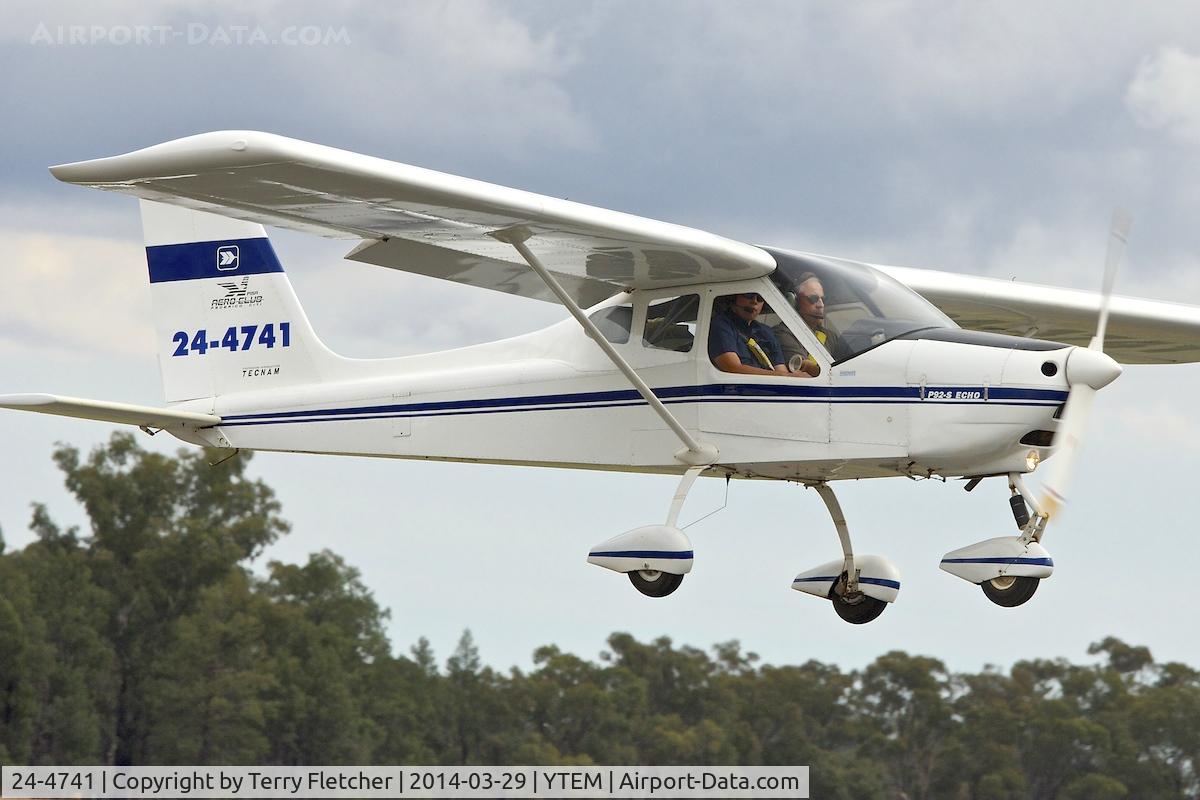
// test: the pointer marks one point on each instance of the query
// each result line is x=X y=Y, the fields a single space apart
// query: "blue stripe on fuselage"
x=196 y=260
x=712 y=393
x=1030 y=560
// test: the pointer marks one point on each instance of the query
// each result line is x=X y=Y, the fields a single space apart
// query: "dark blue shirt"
x=729 y=333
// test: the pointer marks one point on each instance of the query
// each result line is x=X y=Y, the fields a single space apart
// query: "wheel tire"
x=859 y=611
x=1010 y=591
x=653 y=583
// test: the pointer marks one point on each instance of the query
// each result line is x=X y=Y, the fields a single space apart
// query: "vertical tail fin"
x=225 y=314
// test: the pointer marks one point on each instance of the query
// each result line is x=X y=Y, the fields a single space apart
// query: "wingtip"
x=25 y=400
x=167 y=158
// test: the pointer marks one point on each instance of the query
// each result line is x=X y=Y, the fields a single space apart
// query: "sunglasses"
x=756 y=297
x=813 y=298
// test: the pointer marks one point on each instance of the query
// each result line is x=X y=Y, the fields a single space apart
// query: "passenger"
x=738 y=342
x=810 y=303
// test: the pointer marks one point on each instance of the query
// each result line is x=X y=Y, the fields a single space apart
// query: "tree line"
x=148 y=640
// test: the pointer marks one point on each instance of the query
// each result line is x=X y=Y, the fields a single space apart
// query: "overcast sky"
x=981 y=137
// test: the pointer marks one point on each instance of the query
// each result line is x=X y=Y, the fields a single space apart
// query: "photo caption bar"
x=403 y=782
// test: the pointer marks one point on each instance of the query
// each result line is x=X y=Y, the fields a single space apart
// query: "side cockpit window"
x=671 y=323
x=745 y=336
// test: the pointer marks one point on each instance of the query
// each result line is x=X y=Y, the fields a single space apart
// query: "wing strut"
x=694 y=453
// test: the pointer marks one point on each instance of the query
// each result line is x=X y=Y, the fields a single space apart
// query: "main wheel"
x=1010 y=590
x=857 y=610
x=653 y=583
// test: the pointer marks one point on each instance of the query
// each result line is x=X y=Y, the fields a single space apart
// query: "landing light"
x=1032 y=460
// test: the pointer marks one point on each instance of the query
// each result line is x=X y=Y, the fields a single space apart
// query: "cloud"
x=395 y=80
x=899 y=63
x=1165 y=94
x=72 y=296
x=1144 y=406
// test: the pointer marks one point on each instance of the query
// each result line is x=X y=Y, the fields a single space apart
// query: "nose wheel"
x=654 y=583
x=1010 y=590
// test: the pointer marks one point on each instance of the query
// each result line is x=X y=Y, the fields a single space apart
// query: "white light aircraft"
x=629 y=382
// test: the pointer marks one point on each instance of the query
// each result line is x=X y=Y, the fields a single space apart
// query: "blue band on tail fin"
x=195 y=260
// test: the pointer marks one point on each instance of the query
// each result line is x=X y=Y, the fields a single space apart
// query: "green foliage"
x=324 y=632
x=1094 y=786
x=147 y=639
x=209 y=693
x=17 y=704
x=57 y=675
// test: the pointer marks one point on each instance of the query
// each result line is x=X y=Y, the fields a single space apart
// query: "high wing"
x=418 y=220
x=1139 y=331
x=431 y=223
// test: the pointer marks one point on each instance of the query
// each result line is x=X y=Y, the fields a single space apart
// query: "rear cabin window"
x=671 y=323
x=614 y=322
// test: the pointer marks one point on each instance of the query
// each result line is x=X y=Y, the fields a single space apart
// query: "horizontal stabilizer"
x=121 y=413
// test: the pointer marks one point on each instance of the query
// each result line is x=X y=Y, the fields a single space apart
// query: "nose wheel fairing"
x=1001 y=557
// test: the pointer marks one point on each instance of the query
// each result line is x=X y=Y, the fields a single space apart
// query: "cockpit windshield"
x=855 y=306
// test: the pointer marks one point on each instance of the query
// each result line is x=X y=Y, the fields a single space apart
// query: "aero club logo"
x=237 y=295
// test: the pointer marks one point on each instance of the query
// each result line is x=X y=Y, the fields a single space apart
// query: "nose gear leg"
x=1035 y=526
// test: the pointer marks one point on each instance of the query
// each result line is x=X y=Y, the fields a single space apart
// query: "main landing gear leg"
x=681 y=493
x=848 y=600
x=654 y=582
x=655 y=557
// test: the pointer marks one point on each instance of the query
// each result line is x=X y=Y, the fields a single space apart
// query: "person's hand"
x=803 y=372
x=803 y=366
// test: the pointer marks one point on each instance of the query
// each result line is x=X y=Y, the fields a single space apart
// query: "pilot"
x=810 y=303
x=738 y=342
